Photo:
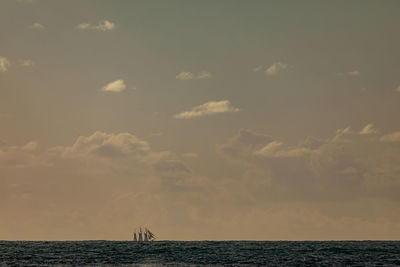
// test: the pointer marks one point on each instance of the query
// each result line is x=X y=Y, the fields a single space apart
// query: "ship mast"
x=134 y=236
x=140 y=234
x=143 y=235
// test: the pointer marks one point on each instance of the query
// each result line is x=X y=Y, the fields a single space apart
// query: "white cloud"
x=276 y=150
x=184 y=75
x=353 y=73
x=104 y=145
x=187 y=75
x=204 y=75
x=368 y=129
x=320 y=194
x=245 y=143
x=269 y=150
x=275 y=68
x=104 y=25
x=208 y=108
x=327 y=169
x=27 y=63
x=392 y=137
x=30 y=146
x=83 y=26
x=115 y=86
x=258 y=68
x=37 y=26
x=341 y=132
x=4 y=64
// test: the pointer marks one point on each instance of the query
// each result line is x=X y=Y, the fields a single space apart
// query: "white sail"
x=140 y=235
x=145 y=235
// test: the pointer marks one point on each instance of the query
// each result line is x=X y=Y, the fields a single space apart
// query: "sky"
x=202 y=120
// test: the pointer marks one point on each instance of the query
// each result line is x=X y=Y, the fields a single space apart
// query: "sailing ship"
x=143 y=235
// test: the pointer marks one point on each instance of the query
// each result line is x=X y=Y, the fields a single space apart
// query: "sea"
x=200 y=253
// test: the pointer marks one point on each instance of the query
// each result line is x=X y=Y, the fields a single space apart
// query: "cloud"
x=168 y=166
x=98 y=185
x=20 y=156
x=186 y=75
x=104 y=25
x=84 y=26
x=208 y=108
x=275 y=68
x=252 y=145
x=4 y=64
x=348 y=166
x=368 y=129
x=156 y=134
x=115 y=86
x=190 y=155
x=204 y=75
x=107 y=146
x=392 y=137
x=341 y=132
x=244 y=144
x=27 y=63
x=269 y=149
x=37 y=27
x=258 y=68
x=274 y=150
x=30 y=146
x=353 y=73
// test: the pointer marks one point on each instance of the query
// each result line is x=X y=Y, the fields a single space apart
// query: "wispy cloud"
x=354 y=73
x=203 y=75
x=27 y=63
x=37 y=26
x=392 y=137
x=368 y=129
x=4 y=64
x=258 y=68
x=339 y=168
x=275 y=68
x=190 y=155
x=187 y=75
x=104 y=25
x=105 y=145
x=115 y=86
x=208 y=108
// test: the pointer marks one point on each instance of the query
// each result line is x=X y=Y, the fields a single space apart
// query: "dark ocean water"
x=232 y=253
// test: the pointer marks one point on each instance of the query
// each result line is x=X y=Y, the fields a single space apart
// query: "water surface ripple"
x=173 y=253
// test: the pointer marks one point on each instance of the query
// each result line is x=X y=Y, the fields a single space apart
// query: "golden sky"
x=217 y=120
